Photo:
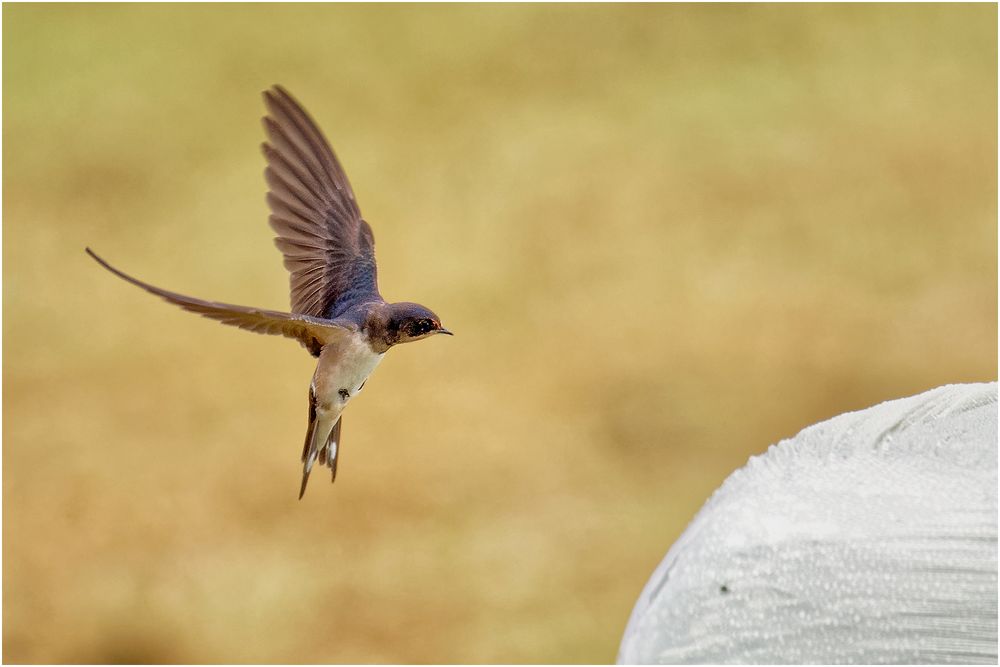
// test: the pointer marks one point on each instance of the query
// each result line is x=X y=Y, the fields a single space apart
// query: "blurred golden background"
x=666 y=236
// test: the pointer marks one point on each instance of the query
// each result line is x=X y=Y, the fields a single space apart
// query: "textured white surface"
x=868 y=538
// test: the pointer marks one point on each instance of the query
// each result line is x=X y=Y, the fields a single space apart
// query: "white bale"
x=868 y=538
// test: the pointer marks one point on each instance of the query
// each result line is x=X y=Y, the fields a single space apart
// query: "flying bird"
x=337 y=312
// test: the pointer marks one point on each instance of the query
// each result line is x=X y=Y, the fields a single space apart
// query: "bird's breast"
x=341 y=372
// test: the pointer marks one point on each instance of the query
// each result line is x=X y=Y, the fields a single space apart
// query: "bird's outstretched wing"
x=312 y=332
x=329 y=249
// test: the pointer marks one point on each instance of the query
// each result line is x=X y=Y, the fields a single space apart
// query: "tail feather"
x=312 y=423
x=307 y=465
x=333 y=449
x=326 y=452
x=309 y=447
x=315 y=436
x=305 y=480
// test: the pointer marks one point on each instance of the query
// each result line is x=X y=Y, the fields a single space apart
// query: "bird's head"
x=408 y=322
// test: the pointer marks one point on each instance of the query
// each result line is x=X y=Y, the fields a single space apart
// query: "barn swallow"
x=337 y=312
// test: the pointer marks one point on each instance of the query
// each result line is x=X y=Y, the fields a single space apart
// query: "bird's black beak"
x=445 y=331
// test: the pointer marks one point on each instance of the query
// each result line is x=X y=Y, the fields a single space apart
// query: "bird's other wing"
x=329 y=249
x=312 y=332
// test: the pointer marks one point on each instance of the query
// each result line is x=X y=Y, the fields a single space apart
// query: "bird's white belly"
x=341 y=372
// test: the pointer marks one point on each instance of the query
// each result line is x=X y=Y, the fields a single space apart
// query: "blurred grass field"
x=665 y=236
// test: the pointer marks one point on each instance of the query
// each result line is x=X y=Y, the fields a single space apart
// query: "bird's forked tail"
x=322 y=442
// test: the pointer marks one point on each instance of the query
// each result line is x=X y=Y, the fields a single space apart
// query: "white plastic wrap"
x=868 y=538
